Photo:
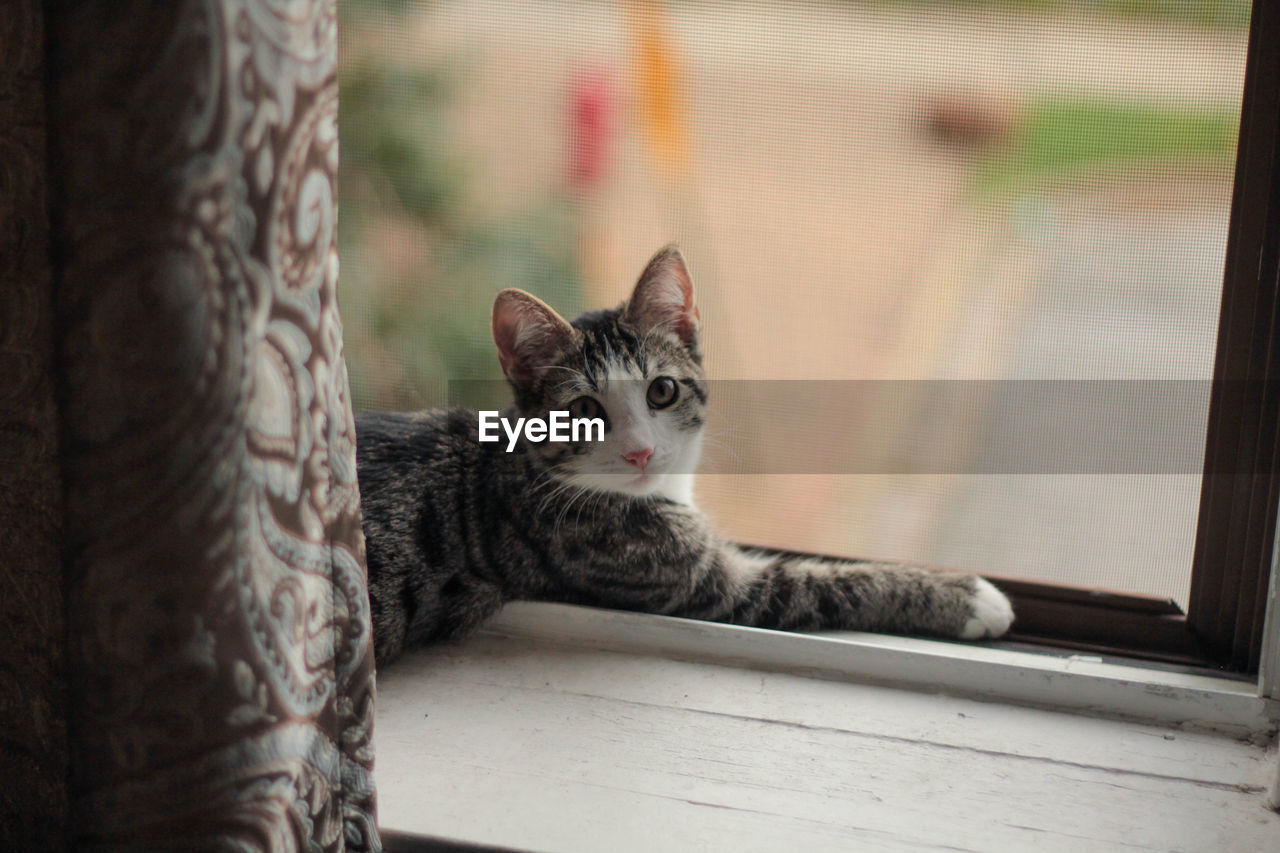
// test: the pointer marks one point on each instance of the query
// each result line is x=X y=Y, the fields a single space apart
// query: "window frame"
x=1240 y=492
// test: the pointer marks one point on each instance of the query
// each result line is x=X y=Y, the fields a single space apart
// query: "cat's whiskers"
x=573 y=385
x=560 y=487
x=564 y=367
x=564 y=511
x=545 y=499
x=591 y=504
x=557 y=485
x=578 y=380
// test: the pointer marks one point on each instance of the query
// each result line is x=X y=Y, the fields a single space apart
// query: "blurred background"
x=885 y=190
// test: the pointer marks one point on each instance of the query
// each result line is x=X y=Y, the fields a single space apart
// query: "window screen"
x=959 y=264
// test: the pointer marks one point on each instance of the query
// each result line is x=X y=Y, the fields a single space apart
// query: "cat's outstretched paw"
x=992 y=613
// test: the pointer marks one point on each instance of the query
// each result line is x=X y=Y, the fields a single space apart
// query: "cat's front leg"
x=806 y=594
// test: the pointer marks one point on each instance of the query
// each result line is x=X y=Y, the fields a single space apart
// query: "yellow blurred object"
x=659 y=78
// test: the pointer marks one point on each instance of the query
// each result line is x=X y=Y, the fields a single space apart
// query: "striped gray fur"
x=455 y=527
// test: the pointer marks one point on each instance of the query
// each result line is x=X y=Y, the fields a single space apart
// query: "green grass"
x=1059 y=138
x=1212 y=13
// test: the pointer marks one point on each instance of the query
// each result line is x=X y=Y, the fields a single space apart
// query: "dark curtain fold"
x=33 y=748
x=219 y=663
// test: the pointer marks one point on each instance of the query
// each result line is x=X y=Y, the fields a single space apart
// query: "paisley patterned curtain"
x=219 y=669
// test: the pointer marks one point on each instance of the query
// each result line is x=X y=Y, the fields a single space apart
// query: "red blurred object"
x=591 y=108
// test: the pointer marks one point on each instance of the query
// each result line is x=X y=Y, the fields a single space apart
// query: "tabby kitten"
x=455 y=527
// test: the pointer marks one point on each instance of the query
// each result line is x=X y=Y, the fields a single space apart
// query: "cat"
x=455 y=526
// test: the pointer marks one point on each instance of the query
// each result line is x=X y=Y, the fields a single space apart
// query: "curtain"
x=218 y=662
x=33 y=748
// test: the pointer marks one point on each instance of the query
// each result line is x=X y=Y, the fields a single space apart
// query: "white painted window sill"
x=1078 y=683
x=566 y=728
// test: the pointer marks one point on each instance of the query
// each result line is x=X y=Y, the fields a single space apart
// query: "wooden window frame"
x=1241 y=486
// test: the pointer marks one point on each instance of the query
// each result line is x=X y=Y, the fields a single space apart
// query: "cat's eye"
x=662 y=392
x=587 y=407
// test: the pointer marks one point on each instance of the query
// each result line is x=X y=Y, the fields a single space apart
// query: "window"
x=934 y=215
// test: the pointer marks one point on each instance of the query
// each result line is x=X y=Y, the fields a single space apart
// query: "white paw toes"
x=992 y=613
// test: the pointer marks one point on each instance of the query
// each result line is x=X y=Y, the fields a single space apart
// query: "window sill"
x=986 y=671
x=566 y=728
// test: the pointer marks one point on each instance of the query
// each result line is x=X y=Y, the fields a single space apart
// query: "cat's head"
x=638 y=367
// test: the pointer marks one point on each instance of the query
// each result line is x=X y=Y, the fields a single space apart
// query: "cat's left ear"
x=664 y=297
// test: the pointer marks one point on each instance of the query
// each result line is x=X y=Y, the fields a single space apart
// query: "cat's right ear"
x=528 y=332
x=663 y=297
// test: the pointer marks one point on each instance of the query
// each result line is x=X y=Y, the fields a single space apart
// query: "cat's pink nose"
x=639 y=458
